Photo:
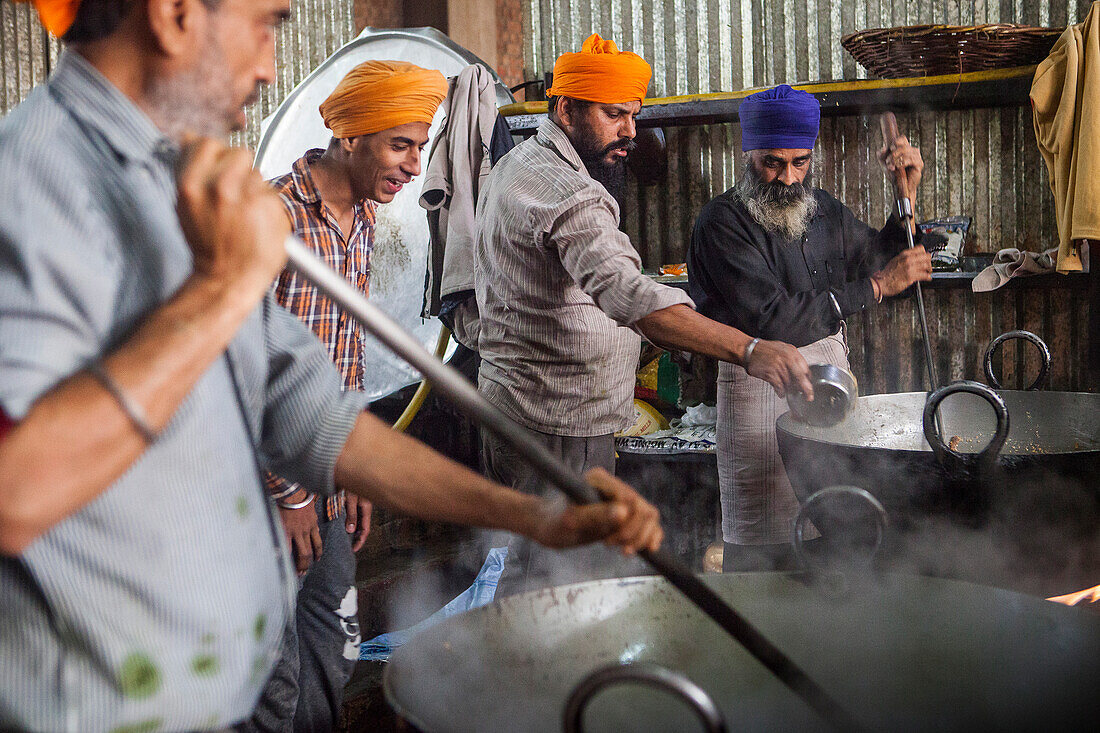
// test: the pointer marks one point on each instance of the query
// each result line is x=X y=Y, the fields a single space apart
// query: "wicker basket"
x=931 y=50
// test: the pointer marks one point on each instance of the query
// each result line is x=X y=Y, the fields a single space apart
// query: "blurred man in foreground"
x=147 y=378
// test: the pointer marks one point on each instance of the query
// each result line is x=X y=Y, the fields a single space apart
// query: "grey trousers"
x=320 y=644
x=529 y=565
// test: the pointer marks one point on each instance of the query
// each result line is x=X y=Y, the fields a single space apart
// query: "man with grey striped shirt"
x=562 y=298
x=147 y=377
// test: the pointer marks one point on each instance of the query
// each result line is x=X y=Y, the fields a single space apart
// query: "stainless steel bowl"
x=835 y=395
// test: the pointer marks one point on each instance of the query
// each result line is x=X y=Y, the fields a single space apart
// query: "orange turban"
x=56 y=15
x=601 y=73
x=378 y=95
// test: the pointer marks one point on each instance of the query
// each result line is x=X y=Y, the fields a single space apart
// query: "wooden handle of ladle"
x=890 y=134
x=889 y=124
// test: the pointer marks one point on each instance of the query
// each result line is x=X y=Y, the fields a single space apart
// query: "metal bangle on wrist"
x=298 y=504
x=290 y=489
x=875 y=282
x=132 y=409
x=748 y=352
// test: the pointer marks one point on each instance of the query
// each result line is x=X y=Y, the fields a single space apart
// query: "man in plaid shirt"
x=379 y=114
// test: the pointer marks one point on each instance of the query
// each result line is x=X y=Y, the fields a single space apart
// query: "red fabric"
x=6 y=424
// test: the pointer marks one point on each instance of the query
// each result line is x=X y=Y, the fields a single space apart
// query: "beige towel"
x=1065 y=100
x=1012 y=262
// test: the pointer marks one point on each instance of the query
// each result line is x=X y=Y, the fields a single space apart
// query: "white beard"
x=791 y=220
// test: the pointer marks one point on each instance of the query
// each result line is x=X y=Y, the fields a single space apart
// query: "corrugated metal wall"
x=26 y=53
x=316 y=29
x=982 y=163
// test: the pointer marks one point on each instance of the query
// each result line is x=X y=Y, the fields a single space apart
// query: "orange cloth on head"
x=56 y=15
x=378 y=95
x=599 y=72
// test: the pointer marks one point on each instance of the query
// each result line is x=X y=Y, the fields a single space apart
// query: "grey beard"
x=785 y=210
x=194 y=101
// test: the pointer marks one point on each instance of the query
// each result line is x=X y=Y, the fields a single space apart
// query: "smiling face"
x=380 y=164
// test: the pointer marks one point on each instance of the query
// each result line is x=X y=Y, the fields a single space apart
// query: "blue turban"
x=779 y=118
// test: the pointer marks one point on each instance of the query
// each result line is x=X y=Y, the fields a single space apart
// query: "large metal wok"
x=1010 y=496
x=898 y=652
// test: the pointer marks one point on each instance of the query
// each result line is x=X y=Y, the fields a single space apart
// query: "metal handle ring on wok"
x=650 y=674
x=1044 y=354
x=942 y=451
x=827 y=494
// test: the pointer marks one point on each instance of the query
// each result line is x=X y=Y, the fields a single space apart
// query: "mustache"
x=623 y=143
x=781 y=194
x=254 y=96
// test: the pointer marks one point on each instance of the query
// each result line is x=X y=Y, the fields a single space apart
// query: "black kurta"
x=771 y=287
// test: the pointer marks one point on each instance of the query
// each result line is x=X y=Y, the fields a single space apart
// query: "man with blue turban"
x=779 y=259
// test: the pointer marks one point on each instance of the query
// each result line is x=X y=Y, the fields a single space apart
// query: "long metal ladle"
x=465 y=396
x=890 y=135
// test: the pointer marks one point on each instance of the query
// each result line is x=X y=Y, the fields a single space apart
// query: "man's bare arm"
x=399 y=473
x=681 y=328
x=76 y=440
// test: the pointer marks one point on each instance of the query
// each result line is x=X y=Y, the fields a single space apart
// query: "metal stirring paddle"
x=889 y=124
x=465 y=396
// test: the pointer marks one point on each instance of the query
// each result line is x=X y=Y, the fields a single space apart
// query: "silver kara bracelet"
x=132 y=409
x=290 y=489
x=297 y=505
x=748 y=352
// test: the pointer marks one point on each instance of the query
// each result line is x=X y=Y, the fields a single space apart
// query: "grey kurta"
x=161 y=603
x=557 y=285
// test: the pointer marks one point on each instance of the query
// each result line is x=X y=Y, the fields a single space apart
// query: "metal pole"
x=456 y=388
x=889 y=125
x=905 y=212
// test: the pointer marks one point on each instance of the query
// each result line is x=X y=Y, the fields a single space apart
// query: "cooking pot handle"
x=1044 y=353
x=942 y=451
x=829 y=493
x=648 y=674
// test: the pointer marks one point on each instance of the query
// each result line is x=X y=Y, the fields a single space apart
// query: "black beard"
x=610 y=173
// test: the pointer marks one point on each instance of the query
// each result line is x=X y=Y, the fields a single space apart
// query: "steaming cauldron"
x=899 y=652
x=1010 y=496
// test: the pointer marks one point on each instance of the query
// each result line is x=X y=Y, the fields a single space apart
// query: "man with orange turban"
x=562 y=297
x=379 y=115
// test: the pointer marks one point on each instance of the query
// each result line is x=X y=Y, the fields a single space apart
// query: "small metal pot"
x=835 y=395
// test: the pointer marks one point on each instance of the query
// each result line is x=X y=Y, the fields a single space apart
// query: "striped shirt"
x=557 y=286
x=161 y=603
x=318 y=228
